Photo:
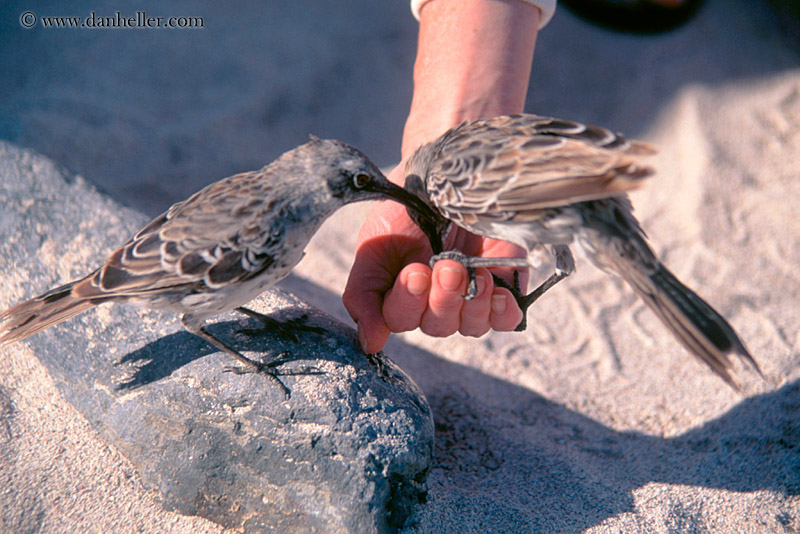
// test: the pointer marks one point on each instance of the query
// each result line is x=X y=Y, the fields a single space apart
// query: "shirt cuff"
x=547 y=7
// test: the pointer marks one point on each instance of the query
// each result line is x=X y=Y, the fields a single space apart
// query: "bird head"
x=352 y=177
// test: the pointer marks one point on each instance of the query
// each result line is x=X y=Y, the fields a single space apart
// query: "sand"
x=595 y=419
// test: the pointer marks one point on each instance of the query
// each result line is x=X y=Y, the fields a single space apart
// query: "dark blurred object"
x=635 y=16
x=789 y=16
x=786 y=7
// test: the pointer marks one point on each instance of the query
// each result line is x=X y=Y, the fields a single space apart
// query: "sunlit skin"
x=473 y=60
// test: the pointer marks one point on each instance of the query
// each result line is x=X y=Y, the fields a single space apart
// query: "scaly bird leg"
x=473 y=262
x=565 y=266
x=525 y=301
x=265 y=368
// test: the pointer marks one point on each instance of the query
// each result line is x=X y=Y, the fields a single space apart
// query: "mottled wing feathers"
x=525 y=163
x=213 y=238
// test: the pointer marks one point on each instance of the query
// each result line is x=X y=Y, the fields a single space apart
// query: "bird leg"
x=473 y=262
x=525 y=301
x=265 y=368
x=259 y=367
x=565 y=266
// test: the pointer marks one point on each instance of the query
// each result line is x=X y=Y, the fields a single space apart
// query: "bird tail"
x=38 y=313
x=698 y=327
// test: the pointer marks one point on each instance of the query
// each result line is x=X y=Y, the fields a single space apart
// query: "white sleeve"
x=547 y=7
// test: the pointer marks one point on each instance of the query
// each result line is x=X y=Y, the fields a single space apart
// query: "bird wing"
x=525 y=164
x=211 y=239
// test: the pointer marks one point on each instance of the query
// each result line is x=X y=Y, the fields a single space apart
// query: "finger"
x=373 y=333
x=505 y=315
x=443 y=315
x=405 y=303
x=387 y=242
x=475 y=320
x=363 y=300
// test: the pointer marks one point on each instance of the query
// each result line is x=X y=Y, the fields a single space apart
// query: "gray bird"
x=534 y=181
x=221 y=247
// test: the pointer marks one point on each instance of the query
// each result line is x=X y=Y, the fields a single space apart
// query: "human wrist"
x=473 y=60
x=428 y=120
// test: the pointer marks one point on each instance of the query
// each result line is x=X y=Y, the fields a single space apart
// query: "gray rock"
x=349 y=452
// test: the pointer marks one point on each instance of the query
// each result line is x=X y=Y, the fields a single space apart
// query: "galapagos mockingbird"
x=221 y=247
x=533 y=181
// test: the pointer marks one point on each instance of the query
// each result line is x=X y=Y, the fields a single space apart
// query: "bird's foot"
x=524 y=301
x=266 y=369
x=473 y=262
x=269 y=370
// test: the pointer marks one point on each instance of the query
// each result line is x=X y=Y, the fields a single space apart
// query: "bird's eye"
x=361 y=180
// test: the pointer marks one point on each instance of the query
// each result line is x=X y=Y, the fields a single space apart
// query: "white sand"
x=593 y=420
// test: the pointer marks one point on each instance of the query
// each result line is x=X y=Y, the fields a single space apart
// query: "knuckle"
x=437 y=331
x=474 y=330
x=438 y=326
x=402 y=322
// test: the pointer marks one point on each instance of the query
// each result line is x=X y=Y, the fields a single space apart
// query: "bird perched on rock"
x=534 y=181
x=222 y=246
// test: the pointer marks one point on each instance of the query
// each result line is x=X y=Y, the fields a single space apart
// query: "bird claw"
x=524 y=301
x=519 y=298
x=473 y=262
x=261 y=369
x=268 y=369
x=472 y=286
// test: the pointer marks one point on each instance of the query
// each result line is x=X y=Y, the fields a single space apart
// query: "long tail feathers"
x=38 y=313
x=703 y=331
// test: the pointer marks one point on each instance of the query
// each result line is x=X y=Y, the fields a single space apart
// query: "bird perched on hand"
x=532 y=181
x=221 y=247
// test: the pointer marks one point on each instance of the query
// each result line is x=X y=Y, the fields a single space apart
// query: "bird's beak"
x=410 y=200
x=429 y=220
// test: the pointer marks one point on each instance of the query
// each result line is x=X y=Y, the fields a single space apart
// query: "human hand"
x=391 y=288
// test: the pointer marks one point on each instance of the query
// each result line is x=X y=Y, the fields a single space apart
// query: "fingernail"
x=417 y=283
x=481 y=282
x=362 y=338
x=499 y=304
x=450 y=279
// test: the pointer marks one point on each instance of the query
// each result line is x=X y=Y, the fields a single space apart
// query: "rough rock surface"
x=350 y=451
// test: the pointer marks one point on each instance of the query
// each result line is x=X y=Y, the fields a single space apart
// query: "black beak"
x=410 y=200
x=421 y=212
